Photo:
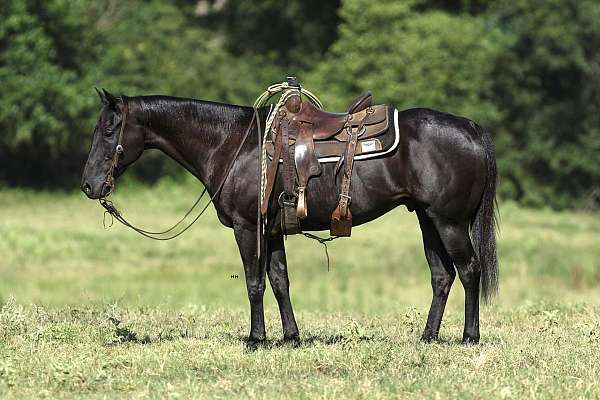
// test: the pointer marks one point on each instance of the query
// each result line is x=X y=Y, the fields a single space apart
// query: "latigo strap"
x=341 y=218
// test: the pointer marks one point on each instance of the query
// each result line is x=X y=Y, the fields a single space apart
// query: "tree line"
x=528 y=70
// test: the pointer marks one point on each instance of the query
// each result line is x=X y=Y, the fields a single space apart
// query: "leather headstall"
x=119 y=150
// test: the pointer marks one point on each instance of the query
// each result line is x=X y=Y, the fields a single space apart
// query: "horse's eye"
x=108 y=132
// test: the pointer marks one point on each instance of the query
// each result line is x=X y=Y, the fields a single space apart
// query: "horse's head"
x=117 y=142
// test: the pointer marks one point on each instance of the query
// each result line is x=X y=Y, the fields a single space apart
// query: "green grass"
x=95 y=313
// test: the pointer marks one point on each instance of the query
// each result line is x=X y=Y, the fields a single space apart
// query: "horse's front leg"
x=255 y=283
x=278 y=276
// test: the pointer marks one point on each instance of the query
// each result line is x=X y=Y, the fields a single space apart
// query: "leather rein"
x=109 y=182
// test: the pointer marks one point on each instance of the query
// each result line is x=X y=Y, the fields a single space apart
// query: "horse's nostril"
x=87 y=188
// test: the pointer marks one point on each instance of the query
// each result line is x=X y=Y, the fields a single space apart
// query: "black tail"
x=483 y=228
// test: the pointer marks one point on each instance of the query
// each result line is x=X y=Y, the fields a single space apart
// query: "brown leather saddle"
x=305 y=136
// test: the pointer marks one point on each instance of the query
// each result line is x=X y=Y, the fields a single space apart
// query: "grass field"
x=94 y=313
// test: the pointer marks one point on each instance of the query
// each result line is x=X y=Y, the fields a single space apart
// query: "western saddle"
x=301 y=135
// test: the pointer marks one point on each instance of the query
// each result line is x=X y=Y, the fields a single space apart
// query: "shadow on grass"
x=491 y=340
x=124 y=334
x=308 y=341
x=338 y=339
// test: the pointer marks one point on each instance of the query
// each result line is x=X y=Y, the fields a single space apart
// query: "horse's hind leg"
x=457 y=242
x=278 y=276
x=442 y=275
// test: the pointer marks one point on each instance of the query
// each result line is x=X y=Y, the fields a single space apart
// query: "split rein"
x=170 y=233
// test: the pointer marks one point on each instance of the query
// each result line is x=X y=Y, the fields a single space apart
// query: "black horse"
x=444 y=169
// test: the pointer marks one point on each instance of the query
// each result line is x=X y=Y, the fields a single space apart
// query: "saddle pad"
x=328 y=151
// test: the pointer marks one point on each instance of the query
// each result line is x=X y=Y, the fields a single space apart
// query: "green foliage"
x=42 y=110
x=515 y=67
x=409 y=59
x=295 y=32
x=174 y=57
x=547 y=82
x=57 y=51
x=527 y=70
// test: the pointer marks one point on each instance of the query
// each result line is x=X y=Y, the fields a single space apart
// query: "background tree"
x=547 y=84
x=527 y=70
x=42 y=76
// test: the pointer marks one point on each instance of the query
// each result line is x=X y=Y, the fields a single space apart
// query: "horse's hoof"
x=293 y=341
x=429 y=337
x=470 y=340
x=253 y=344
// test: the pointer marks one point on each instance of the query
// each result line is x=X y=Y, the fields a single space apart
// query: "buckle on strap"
x=286 y=201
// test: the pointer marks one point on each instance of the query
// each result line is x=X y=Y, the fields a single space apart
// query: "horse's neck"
x=201 y=136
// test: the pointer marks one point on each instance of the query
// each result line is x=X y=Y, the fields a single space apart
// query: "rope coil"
x=286 y=91
x=261 y=100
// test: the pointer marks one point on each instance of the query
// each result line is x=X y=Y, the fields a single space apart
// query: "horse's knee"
x=278 y=276
x=256 y=291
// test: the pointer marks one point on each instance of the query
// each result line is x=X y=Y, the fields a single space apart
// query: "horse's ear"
x=111 y=100
x=101 y=95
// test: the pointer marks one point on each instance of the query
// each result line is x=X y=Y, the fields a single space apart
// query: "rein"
x=112 y=210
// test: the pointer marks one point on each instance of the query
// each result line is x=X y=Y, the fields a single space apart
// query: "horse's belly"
x=374 y=190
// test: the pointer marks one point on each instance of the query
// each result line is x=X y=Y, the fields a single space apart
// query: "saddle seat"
x=325 y=125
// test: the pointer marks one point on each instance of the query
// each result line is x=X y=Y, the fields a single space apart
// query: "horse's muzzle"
x=93 y=193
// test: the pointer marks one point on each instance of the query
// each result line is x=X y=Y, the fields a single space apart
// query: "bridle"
x=119 y=150
x=109 y=182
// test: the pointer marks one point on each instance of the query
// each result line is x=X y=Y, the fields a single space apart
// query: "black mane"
x=176 y=114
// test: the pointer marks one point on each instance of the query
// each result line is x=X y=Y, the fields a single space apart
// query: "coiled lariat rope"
x=280 y=87
x=262 y=100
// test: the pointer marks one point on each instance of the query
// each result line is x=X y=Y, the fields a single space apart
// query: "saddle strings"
x=323 y=241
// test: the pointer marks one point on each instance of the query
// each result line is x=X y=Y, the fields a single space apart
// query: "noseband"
x=119 y=150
